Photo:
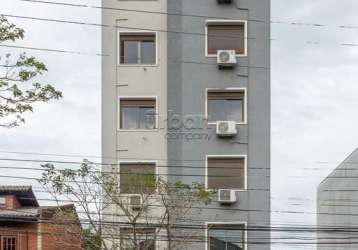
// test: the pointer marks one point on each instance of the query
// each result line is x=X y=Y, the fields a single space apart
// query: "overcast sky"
x=314 y=96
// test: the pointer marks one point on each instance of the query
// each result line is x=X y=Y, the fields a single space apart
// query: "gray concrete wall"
x=337 y=207
x=187 y=83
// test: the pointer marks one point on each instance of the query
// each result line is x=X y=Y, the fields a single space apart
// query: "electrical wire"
x=347 y=44
x=236 y=209
x=293 y=23
x=120 y=160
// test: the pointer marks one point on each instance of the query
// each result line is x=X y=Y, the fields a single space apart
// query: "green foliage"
x=195 y=192
x=19 y=89
x=91 y=240
x=9 y=31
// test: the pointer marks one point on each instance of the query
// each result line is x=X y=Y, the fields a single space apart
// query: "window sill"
x=149 y=195
x=138 y=65
x=235 y=190
x=214 y=55
x=237 y=123
x=138 y=130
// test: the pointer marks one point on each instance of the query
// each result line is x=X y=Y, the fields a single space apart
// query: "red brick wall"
x=61 y=236
x=63 y=230
x=11 y=202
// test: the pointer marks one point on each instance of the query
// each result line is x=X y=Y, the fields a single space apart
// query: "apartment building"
x=186 y=95
x=337 y=210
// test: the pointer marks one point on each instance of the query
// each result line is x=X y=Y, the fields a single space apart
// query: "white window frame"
x=244 y=156
x=9 y=236
x=131 y=31
x=224 y=223
x=244 y=89
x=223 y=22
x=137 y=162
x=137 y=98
x=3 y=198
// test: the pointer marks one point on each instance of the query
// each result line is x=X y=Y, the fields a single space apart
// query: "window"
x=8 y=242
x=137 y=178
x=145 y=239
x=137 y=48
x=2 y=200
x=226 y=106
x=226 y=36
x=226 y=236
x=137 y=113
x=226 y=173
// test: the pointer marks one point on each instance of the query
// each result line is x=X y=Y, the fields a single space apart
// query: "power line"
x=105 y=55
x=133 y=10
x=202 y=237
x=119 y=26
x=229 y=209
x=145 y=29
x=122 y=173
x=124 y=160
x=202 y=225
x=214 y=208
x=74 y=181
x=49 y=50
x=294 y=23
x=61 y=155
x=163 y=159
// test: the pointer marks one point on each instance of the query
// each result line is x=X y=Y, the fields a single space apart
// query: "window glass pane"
x=129 y=117
x=145 y=238
x=8 y=243
x=137 y=114
x=147 y=118
x=2 y=200
x=130 y=52
x=216 y=244
x=137 y=48
x=227 y=238
x=234 y=247
x=225 y=110
x=233 y=110
x=148 y=52
x=137 y=178
x=147 y=245
x=216 y=110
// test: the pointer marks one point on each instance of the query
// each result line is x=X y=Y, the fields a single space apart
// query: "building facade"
x=337 y=210
x=186 y=94
x=24 y=225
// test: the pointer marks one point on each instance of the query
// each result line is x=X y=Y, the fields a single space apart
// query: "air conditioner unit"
x=226 y=128
x=224 y=1
x=227 y=196
x=226 y=58
x=135 y=201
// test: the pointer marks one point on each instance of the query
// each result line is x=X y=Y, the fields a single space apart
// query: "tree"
x=91 y=240
x=112 y=221
x=19 y=90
